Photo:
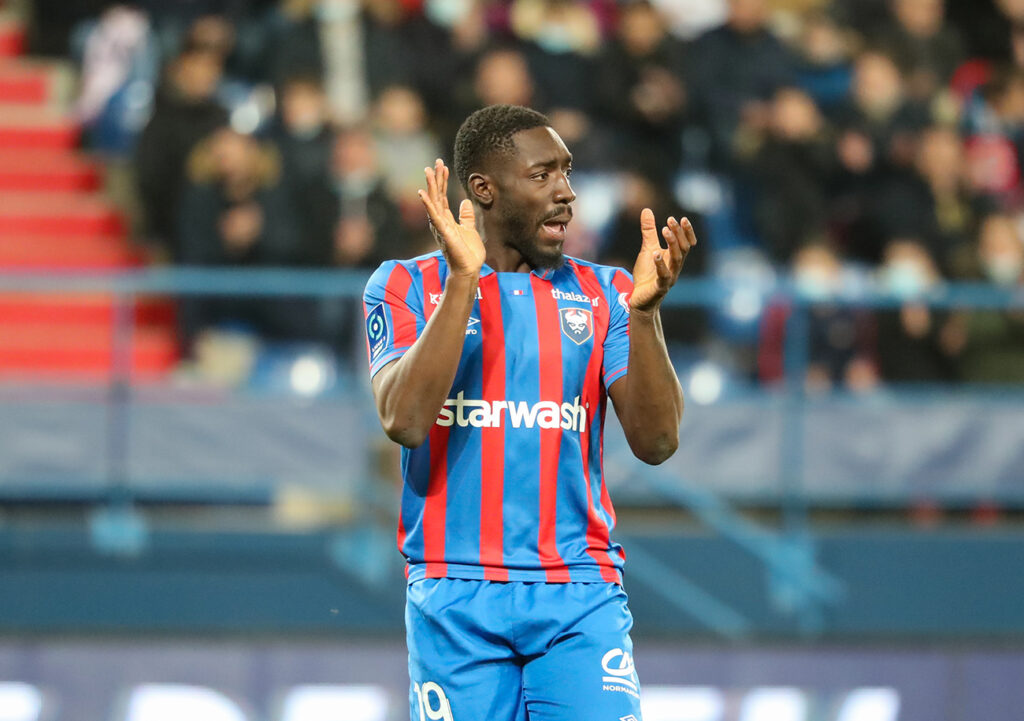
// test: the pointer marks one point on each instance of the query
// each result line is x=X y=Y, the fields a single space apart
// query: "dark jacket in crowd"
x=176 y=127
x=902 y=205
x=729 y=69
x=906 y=358
x=791 y=180
x=651 y=143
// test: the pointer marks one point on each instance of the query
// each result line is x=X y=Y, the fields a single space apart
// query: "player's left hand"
x=657 y=268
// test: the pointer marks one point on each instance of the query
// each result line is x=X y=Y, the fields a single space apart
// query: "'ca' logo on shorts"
x=619 y=673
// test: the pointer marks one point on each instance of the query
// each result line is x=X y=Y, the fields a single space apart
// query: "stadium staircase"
x=55 y=218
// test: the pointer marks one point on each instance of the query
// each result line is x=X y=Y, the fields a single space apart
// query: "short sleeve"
x=393 y=309
x=616 y=342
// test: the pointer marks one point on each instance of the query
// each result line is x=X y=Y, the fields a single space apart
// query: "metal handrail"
x=191 y=280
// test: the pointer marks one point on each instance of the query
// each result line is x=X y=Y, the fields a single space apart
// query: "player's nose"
x=563 y=191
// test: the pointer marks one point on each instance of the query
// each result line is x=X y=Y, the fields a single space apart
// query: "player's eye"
x=568 y=171
x=541 y=176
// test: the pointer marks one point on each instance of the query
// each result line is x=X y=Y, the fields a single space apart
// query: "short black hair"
x=490 y=130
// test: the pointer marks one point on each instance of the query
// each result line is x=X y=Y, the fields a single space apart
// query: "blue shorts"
x=489 y=651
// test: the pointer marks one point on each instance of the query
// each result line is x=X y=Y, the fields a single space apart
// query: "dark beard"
x=522 y=235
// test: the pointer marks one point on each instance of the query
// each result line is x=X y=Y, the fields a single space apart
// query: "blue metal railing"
x=799 y=584
x=275 y=282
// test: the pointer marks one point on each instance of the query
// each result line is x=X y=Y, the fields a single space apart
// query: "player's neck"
x=502 y=257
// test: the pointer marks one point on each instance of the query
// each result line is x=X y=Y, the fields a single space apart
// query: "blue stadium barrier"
x=123 y=446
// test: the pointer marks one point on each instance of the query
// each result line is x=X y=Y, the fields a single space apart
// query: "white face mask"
x=1004 y=268
x=905 y=278
x=357 y=185
x=447 y=13
x=814 y=283
x=556 y=39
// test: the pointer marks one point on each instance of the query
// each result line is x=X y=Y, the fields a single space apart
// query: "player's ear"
x=481 y=190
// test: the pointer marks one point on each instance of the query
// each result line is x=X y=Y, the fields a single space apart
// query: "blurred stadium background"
x=197 y=506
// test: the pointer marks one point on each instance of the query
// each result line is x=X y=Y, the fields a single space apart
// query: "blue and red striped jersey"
x=509 y=485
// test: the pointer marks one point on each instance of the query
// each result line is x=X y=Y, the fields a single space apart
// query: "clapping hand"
x=460 y=242
x=657 y=268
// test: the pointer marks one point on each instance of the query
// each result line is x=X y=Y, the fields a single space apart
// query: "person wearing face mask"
x=368 y=229
x=914 y=341
x=839 y=336
x=304 y=138
x=991 y=342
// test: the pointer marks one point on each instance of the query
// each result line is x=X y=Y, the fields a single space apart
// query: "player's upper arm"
x=617 y=392
x=380 y=378
x=393 y=310
x=616 y=342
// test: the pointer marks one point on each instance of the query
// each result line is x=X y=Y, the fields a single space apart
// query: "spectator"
x=503 y=78
x=926 y=49
x=369 y=229
x=825 y=65
x=681 y=325
x=736 y=69
x=291 y=44
x=791 y=164
x=840 y=337
x=876 y=131
x=560 y=39
x=879 y=112
x=462 y=29
x=405 y=145
x=996 y=143
x=929 y=201
x=303 y=134
x=990 y=343
x=388 y=59
x=185 y=111
x=914 y=343
x=235 y=211
x=305 y=141
x=118 y=52
x=641 y=92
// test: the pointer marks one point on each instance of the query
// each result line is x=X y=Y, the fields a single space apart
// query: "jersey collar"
x=543 y=274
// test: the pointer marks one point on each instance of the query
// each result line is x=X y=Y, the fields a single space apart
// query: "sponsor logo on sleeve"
x=378 y=332
x=624 y=301
x=577 y=324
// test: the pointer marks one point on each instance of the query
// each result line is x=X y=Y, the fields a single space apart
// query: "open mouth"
x=555 y=229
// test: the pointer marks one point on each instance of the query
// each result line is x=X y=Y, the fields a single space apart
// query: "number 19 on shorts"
x=432 y=702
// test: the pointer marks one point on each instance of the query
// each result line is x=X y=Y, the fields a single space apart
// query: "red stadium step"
x=66 y=253
x=23 y=83
x=12 y=39
x=25 y=213
x=25 y=309
x=30 y=126
x=154 y=353
x=45 y=170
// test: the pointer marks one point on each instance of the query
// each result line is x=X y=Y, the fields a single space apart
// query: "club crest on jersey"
x=577 y=324
x=377 y=331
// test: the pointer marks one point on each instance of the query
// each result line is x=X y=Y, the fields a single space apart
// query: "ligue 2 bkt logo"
x=377 y=331
x=577 y=324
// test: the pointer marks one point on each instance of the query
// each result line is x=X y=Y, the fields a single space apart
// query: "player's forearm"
x=411 y=391
x=654 y=398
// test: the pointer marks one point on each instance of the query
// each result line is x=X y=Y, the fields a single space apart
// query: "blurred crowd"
x=829 y=142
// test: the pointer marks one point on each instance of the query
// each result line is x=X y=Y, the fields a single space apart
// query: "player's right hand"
x=460 y=242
